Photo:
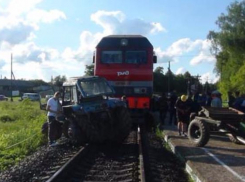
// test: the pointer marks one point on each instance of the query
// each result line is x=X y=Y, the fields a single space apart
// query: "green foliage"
x=23 y=136
x=229 y=46
x=89 y=70
x=59 y=80
x=159 y=70
x=178 y=82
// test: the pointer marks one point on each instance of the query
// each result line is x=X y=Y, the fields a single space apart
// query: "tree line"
x=228 y=46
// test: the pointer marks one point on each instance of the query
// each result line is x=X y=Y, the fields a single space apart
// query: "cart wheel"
x=233 y=138
x=198 y=133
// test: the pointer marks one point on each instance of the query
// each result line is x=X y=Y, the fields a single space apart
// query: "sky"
x=48 y=38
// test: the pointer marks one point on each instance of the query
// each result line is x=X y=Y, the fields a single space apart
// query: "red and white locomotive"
x=126 y=61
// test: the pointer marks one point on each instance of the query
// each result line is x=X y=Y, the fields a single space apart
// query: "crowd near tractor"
x=90 y=114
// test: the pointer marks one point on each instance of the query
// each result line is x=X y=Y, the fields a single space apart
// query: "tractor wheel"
x=233 y=138
x=75 y=133
x=198 y=133
x=45 y=128
x=65 y=128
x=95 y=127
x=121 y=124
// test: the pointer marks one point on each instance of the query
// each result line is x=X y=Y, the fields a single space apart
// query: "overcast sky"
x=57 y=37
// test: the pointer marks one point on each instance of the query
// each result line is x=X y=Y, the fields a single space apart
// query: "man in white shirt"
x=53 y=108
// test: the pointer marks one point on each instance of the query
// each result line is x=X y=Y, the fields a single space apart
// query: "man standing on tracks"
x=54 y=127
x=183 y=114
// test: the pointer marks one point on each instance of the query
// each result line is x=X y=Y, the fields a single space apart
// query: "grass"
x=20 y=130
x=160 y=134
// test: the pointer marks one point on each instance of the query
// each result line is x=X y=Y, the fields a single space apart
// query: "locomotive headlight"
x=124 y=42
x=141 y=90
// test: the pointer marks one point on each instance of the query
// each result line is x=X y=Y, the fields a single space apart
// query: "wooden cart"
x=228 y=120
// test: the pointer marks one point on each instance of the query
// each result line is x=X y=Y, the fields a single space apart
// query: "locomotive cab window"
x=111 y=57
x=136 y=57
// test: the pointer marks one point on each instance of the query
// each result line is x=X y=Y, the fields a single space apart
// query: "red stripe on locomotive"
x=138 y=102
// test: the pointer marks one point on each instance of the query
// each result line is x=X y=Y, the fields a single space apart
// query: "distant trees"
x=89 y=70
x=58 y=80
x=162 y=83
x=228 y=45
x=38 y=82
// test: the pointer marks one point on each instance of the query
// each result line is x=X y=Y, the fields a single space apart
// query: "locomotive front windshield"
x=112 y=57
x=135 y=57
x=95 y=87
x=131 y=57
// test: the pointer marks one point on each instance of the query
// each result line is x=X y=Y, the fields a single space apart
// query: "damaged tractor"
x=90 y=114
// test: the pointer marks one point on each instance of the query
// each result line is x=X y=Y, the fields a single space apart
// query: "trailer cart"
x=228 y=120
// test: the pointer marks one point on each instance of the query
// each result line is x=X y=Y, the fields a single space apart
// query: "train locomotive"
x=92 y=106
x=126 y=61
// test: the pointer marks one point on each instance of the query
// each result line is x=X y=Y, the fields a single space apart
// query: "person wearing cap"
x=183 y=114
x=54 y=127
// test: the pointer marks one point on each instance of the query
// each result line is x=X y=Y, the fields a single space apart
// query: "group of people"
x=237 y=101
x=181 y=109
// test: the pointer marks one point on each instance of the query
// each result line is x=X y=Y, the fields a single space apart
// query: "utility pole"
x=168 y=76
x=11 y=72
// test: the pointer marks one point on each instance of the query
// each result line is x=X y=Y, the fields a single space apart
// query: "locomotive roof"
x=133 y=41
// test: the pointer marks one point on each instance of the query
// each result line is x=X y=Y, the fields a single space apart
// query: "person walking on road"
x=183 y=114
x=54 y=127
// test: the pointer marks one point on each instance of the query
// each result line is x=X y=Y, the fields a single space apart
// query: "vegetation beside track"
x=20 y=130
x=160 y=135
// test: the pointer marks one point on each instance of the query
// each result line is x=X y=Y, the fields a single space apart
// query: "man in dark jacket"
x=172 y=110
x=163 y=108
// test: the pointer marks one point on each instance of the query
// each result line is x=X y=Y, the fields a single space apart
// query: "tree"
x=159 y=70
x=228 y=45
x=89 y=70
x=187 y=75
x=39 y=82
x=59 y=80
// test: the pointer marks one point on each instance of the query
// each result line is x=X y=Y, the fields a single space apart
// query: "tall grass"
x=20 y=130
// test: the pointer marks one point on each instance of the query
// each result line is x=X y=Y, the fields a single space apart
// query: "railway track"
x=105 y=162
x=141 y=157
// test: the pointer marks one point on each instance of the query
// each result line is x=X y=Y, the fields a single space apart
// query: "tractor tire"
x=75 y=133
x=106 y=126
x=122 y=124
x=57 y=129
x=94 y=128
x=198 y=133
x=233 y=138
x=45 y=128
x=65 y=128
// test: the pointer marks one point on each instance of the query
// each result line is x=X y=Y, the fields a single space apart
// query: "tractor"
x=90 y=113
